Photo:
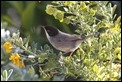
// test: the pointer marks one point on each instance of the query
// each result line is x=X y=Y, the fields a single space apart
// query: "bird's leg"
x=70 y=54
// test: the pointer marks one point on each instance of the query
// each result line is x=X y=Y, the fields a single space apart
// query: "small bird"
x=64 y=42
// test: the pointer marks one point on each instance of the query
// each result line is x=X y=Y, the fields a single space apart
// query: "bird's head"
x=52 y=31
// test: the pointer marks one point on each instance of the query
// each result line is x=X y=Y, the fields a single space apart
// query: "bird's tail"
x=96 y=34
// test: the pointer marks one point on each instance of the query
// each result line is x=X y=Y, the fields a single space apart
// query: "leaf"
x=46 y=47
x=26 y=43
x=118 y=20
x=2 y=78
x=59 y=15
x=119 y=56
x=117 y=50
x=50 y=9
x=51 y=63
x=7 y=18
x=31 y=70
x=113 y=9
x=87 y=61
x=66 y=20
x=92 y=12
x=5 y=74
x=83 y=5
x=100 y=71
x=42 y=57
x=21 y=41
x=95 y=68
x=28 y=15
x=10 y=72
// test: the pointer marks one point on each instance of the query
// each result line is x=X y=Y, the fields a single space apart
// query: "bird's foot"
x=68 y=54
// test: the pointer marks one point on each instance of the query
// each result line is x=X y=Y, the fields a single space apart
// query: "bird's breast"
x=64 y=42
x=60 y=43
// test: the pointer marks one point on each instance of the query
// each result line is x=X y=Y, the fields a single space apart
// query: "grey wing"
x=70 y=36
x=74 y=37
x=62 y=43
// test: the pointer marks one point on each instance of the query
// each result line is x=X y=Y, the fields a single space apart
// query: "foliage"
x=27 y=16
x=6 y=75
x=96 y=59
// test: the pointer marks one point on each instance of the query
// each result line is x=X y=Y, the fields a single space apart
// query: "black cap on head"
x=51 y=30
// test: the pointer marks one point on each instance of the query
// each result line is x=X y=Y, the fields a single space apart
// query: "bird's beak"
x=42 y=26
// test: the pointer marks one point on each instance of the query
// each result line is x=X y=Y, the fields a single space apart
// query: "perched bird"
x=65 y=42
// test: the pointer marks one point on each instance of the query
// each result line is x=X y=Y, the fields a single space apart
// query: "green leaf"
x=28 y=15
x=21 y=41
x=117 y=50
x=119 y=56
x=7 y=19
x=46 y=47
x=26 y=43
x=83 y=5
x=2 y=78
x=100 y=71
x=42 y=57
x=31 y=70
x=87 y=61
x=59 y=15
x=95 y=68
x=5 y=74
x=92 y=12
x=113 y=9
x=118 y=20
x=66 y=20
x=50 y=9
x=51 y=63
x=9 y=73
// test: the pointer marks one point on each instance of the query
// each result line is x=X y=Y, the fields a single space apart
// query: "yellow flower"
x=16 y=59
x=8 y=47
